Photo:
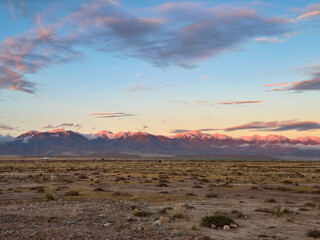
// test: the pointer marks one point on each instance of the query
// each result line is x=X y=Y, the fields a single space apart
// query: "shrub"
x=48 y=193
x=218 y=220
x=211 y=195
x=178 y=212
x=270 y=200
x=313 y=233
x=72 y=193
x=142 y=214
x=239 y=214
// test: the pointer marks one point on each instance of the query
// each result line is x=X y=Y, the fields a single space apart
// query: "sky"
x=231 y=67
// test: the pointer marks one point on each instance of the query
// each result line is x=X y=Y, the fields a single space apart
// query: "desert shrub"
x=190 y=195
x=194 y=225
x=211 y=195
x=238 y=214
x=276 y=210
x=271 y=200
x=178 y=212
x=48 y=193
x=72 y=193
x=98 y=189
x=313 y=233
x=218 y=220
x=142 y=214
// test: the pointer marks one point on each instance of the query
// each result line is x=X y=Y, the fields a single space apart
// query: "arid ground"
x=121 y=199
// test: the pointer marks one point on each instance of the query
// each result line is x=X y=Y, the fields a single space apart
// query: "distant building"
x=45 y=158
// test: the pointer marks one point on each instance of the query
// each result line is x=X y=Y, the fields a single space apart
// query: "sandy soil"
x=105 y=199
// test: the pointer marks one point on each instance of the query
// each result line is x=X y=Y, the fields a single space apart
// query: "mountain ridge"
x=60 y=141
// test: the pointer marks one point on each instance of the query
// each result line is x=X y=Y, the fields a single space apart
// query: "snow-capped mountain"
x=60 y=141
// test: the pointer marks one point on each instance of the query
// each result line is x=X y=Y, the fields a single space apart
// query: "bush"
x=313 y=233
x=218 y=220
x=211 y=195
x=142 y=214
x=270 y=200
x=72 y=193
x=48 y=193
x=178 y=212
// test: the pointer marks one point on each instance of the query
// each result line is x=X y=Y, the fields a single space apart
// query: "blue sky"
x=160 y=66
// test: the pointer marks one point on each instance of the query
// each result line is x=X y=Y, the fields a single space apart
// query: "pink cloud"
x=231 y=102
x=111 y=115
x=278 y=126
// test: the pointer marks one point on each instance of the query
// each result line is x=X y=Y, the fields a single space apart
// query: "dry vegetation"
x=114 y=199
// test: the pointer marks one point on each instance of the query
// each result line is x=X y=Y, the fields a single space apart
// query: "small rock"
x=213 y=226
x=157 y=222
x=233 y=225
x=226 y=227
x=107 y=224
x=164 y=219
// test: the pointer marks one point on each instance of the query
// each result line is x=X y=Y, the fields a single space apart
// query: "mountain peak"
x=58 y=130
x=31 y=133
x=189 y=134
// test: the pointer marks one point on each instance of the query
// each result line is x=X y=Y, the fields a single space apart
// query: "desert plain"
x=82 y=198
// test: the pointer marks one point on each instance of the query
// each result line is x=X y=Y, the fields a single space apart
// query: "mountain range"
x=60 y=141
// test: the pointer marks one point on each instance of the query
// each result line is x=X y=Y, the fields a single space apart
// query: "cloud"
x=311 y=11
x=112 y=115
x=29 y=53
x=64 y=125
x=26 y=8
x=196 y=102
x=143 y=88
x=278 y=126
x=285 y=38
x=269 y=40
x=312 y=84
x=175 y=131
x=210 y=103
x=207 y=76
x=6 y=127
x=178 y=34
x=232 y=102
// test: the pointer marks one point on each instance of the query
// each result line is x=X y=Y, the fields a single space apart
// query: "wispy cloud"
x=112 y=115
x=284 y=38
x=269 y=40
x=6 y=127
x=232 y=102
x=311 y=11
x=210 y=103
x=196 y=102
x=144 y=88
x=178 y=34
x=175 y=131
x=63 y=125
x=312 y=84
x=278 y=126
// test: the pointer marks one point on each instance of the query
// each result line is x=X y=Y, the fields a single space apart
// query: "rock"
x=164 y=219
x=233 y=225
x=157 y=222
x=213 y=226
x=226 y=227
x=107 y=224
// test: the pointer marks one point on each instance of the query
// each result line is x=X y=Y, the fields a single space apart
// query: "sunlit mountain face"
x=59 y=141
